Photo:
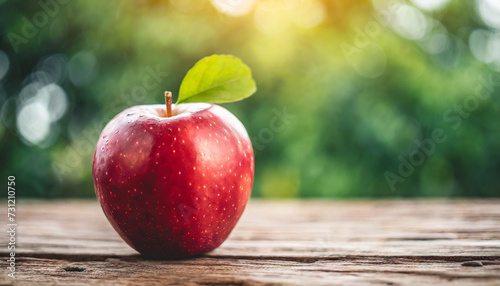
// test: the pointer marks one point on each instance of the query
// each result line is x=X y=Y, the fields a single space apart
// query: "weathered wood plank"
x=292 y=242
x=258 y=271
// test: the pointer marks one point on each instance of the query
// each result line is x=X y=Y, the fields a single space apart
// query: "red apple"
x=173 y=187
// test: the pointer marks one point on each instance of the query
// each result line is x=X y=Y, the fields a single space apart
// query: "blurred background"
x=355 y=98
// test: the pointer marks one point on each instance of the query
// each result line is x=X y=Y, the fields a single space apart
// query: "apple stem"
x=168 y=103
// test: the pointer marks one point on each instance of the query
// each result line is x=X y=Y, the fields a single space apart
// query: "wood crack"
x=443 y=275
x=304 y=259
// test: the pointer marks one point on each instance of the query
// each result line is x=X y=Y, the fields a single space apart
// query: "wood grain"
x=399 y=242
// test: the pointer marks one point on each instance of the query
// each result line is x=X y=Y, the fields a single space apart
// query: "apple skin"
x=173 y=187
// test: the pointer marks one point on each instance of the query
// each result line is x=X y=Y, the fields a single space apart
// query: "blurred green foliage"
x=358 y=91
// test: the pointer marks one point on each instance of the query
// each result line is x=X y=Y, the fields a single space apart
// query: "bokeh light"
x=485 y=46
x=489 y=11
x=55 y=66
x=479 y=41
x=33 y=122
x=41 y=103
x=430 y=5
x=409 y=22
x=39 y=108
x=234 y=7
x=436 y=43
x=54 y=99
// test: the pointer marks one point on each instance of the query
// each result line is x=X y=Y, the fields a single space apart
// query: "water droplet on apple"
x=151 y=121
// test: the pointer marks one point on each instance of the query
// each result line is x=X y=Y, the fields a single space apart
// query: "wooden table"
x=276 y=242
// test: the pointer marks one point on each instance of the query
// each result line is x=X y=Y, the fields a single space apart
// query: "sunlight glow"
x=234 y=7
x=275 y=17
x=271 y=18
x=308 y=14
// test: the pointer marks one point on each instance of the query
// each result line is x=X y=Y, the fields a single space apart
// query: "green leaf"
x=217 y=79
